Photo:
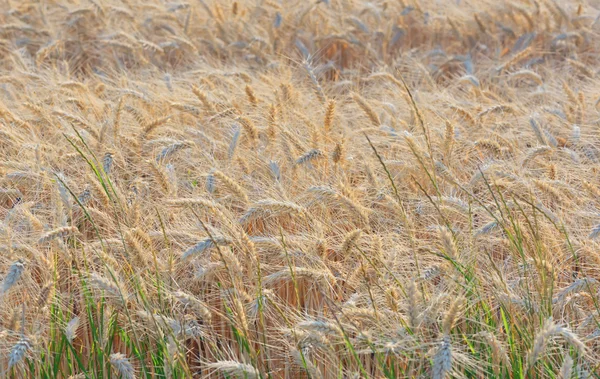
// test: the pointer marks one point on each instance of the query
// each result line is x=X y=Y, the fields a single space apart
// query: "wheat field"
x=299 y=189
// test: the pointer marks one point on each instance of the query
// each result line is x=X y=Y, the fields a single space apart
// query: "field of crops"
x=299 y=189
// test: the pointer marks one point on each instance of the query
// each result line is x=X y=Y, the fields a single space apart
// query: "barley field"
x=299 y=189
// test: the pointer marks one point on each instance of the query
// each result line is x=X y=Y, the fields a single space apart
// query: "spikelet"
x=413 y=305
x=160 y=176
x=570 y=94
x=270 y=208
x=349 y=241
x=537 y=130
x=193 y=304
x=234 y=369
x=533 y=153
x=117 y=119
x=165 y=323
x=12 y=277
x=551 y=140
x=318 y=276
x=272 y=122
x=315 y=139
x=502 y=108
x=583 y=68
x=480 y=24
x=445 y=173
x=546 y=187
x=448 y=243
x=581 y=100
x=552 y=171
x=121 y=363
x=78 y=121
x=120 y=45
x=466 y=115
x=71 y=118
x=338 y=153
x=107 y=285
x=470 y=79
x=45 y=52
x=353 y=205
x=579 y=285
x=362 y=103
x=567 y=368
x=442 y=361
x=321 y=327
x=548 y=330
x=287 y=92
x=71 y=329
x=448 y=141
x=18 y=352
x=240 y=309
x=329 y=193
x=231 y=185
x=515 y=59
x=204 y=245
x=452 y=315
x=151 y=46
x=153 y=125
x=74 y=85
x=490 y=145
x=315 y=82
x=137 y=115
x=75 y=101
x=309 y=156
x=197 y=201
x=172 y=149
x=329 y=114
x=526 y=16
x=499 y=354
x=186 y=108
x=139 y=243
x=107 y=162
x=251 y=95
x=527 y=74
x=57 y=233
x=249 y=127
x=37 y=109
x=591 y=189
x=232 y=264
x=35 y=223
x=46 y=294
x=13 y=322
x=203 y=99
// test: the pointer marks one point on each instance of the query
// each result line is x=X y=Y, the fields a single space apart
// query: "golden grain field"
x=299 y=189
